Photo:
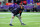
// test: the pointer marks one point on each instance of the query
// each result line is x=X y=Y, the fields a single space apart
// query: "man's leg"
x=19 y=17
x=11 y=20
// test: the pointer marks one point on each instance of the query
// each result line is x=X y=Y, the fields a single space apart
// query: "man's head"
x=22 y=7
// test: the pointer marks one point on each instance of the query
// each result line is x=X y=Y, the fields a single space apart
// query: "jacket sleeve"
x=20 y=13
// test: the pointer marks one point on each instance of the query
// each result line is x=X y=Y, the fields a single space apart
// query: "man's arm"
x=11 y=8
x=20 y=13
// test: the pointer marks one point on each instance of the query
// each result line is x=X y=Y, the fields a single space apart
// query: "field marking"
x=24 y=21
x=19 y=22
x=2 y=17
x=22 y=13
x=22 y=18
x=25 y=18
x=9 y=23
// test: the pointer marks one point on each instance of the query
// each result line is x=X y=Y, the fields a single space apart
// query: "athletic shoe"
x=10 y=24
x=23 y=24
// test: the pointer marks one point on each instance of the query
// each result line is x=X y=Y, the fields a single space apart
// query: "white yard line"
x=22 y=13
x=24 y=18
x=9 y=23
x=2 y=17
x=5 y=13
x=18 y=22
x=24 y=21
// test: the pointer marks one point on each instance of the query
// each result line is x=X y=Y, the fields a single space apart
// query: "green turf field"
x=30 y=19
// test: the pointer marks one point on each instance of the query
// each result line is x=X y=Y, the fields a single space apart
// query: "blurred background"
x=29 y=5
x=30 y=15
